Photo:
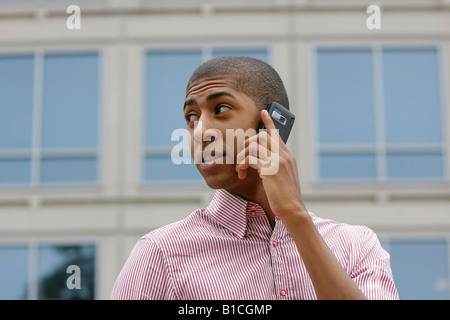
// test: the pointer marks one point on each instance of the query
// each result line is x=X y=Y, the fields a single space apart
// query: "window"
x=14 y=272
x=379 y=115
x=167 y=74
x=40 y=271
x=420 y=268
x=49 y=114
x=16 y=118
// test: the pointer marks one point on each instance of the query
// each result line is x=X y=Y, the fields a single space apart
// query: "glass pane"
x=53 y=275
x=162 y=168
x=167 y=74
x=71 y=100
x=15 y=171
x=69 y=169
x=260 y=54
x=345 y=96
x=347 y=166
x=16 y=101
x=411 y=93
x=415 y=165
x=13 y=272
x=420 y=269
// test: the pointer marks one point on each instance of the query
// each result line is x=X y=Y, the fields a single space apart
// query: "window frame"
x=380 y=148
x=37 y=153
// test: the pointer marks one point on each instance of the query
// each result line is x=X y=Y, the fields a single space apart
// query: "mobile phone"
x=282 y=118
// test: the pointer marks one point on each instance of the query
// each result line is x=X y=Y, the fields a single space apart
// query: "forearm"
x=330 y=280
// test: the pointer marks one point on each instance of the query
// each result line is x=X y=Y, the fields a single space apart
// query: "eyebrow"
x=212 y=96
x=189 y=102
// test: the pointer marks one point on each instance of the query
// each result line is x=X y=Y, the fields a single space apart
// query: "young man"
x=256 y=239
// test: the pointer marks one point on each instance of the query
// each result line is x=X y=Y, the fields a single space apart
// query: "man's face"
x=213 y=105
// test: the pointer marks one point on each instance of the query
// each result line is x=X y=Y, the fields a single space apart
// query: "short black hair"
x=251 y=76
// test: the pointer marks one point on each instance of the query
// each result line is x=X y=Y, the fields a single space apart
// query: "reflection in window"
x=40 y=272
x=52 y=272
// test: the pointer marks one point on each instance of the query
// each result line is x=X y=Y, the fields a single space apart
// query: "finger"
x=264 y=140
x=242 y=171
x=250 y=162
x=243 y=157
x=259 y=150
x=253 y=155
x=261 y=138
x=267 y=120
x=241 y=167
x=270 y=126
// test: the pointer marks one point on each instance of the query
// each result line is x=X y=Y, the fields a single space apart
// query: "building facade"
x=89 y=101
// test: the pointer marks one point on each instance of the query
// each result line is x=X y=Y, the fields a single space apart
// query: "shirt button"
x=275 y=244
x=283 y=293
x=252 y=206
x=253 y=213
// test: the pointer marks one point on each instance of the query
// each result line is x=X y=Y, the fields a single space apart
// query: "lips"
x=210 y=164
x=212 y=158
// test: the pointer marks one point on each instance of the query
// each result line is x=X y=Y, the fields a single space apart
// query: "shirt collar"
x=232 y=212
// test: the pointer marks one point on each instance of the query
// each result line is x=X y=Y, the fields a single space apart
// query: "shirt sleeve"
x=373 y=272
x=145 y=275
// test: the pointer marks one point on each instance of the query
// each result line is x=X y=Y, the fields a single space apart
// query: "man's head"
x=223 y=94
x=253 y=77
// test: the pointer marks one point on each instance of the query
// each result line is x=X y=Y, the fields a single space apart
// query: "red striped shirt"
x=229 y=251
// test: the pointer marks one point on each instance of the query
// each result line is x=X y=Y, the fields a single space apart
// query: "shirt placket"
x=278 y=265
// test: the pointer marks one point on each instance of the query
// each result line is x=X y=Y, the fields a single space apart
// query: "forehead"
x=206 y=85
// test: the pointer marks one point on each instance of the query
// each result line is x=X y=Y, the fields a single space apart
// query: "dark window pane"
x=52 y=271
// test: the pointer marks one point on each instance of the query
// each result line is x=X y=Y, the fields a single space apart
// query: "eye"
x=222 y=108
x=191 y=117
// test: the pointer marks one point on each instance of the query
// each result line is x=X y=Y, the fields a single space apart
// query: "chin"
x=222 y=177
x=227 y=178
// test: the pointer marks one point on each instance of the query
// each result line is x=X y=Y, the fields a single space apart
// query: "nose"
x=206 y=138
x=204 y=130
x=198 y=131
